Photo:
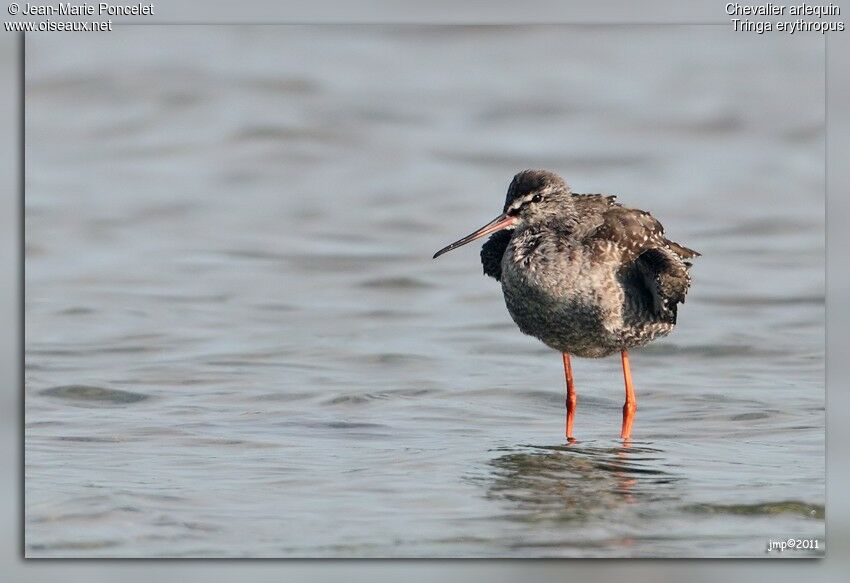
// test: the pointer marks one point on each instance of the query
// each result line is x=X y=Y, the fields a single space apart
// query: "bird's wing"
x=632 y=230
x=594 y=202
x=591 y=210
x=654 y=266
x=492 y=252
x=597 y=202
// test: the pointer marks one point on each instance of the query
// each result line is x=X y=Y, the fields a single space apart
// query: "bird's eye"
x=536 y=198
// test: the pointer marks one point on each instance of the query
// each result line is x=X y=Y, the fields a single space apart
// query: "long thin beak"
x=503 y=221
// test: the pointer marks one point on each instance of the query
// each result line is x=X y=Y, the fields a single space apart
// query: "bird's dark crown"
x=533 y=186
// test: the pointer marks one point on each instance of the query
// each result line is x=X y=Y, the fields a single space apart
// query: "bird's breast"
x=553 y=291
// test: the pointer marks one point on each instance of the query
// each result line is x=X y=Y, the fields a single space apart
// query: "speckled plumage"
x=581 y=272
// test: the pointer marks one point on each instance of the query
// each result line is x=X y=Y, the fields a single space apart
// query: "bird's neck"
x=562 y=224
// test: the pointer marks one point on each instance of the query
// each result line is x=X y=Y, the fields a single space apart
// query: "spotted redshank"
x=584 y=274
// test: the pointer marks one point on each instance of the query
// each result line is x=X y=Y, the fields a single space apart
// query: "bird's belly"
x=583 y=320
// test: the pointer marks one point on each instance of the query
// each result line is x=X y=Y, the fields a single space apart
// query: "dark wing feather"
x=665 y=276
x=632 y=230
x=653 y=267
x=492 y=252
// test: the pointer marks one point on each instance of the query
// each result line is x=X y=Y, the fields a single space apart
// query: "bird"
x=584 y=274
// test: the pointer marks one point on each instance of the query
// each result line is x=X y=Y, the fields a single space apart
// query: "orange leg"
x=630 y=406
x=572 y=399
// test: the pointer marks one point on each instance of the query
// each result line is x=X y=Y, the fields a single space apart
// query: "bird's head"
x=534 y=196
x=537 y=196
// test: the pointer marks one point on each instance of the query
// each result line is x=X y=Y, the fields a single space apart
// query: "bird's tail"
x=682 y=251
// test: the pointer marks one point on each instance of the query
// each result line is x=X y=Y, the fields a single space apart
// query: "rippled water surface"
x=237 y=343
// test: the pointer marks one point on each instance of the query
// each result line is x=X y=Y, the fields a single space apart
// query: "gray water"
x=237 y=343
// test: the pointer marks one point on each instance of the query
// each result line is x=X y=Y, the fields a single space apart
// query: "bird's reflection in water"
x=581 y=481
